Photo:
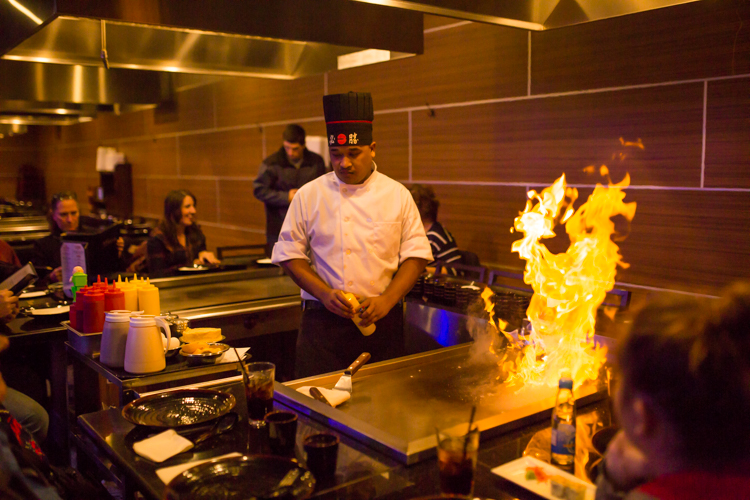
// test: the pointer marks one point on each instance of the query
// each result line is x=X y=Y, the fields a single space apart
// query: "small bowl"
x=207 y=358
x=171 y=353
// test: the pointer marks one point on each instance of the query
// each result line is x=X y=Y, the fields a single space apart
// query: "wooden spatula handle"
x=361 y=360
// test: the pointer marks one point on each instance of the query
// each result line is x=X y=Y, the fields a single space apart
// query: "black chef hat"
x=349 y=118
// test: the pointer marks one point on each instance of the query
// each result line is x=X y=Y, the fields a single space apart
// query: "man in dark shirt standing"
x=281 y=175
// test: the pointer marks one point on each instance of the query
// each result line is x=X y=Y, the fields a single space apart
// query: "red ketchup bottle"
x=114 y=299
x=93 y=312
x=73 y=317
x=79 y=307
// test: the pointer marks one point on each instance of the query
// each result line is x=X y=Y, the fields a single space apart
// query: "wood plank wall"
x=16 y=151
x=485 y=114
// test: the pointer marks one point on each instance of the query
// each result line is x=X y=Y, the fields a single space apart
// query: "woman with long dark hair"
x=178 y=240
x=683 y=401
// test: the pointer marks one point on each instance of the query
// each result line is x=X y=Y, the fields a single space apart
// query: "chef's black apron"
x=328 y=342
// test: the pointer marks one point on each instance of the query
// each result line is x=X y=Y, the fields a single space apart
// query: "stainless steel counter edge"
x=239 y=308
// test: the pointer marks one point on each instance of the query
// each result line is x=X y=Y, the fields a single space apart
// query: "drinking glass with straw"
x=457 y=459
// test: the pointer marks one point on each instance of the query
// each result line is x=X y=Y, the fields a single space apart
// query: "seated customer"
x=442 y=243
x=63 y=217
x=683 y=402
x=178 y=240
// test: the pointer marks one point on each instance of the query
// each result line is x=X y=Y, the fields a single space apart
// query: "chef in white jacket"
x=353 y=230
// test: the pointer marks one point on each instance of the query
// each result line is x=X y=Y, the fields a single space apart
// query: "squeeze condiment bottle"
x=93 y=312
x=366 y=330
x=130 y=293
x=79 y=307
x=99 y=284
x=72 y=315
x=148 y=299
x=113 y=299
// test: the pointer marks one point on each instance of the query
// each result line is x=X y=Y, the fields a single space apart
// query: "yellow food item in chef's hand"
x=201 y=334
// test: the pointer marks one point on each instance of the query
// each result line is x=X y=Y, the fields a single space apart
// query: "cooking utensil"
x=256 y=477
x=315 y=392
x=179 y=408
x=221 y=426
x=345 y=382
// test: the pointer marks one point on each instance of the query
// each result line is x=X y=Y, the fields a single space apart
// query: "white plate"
x=194 y=269
x=51 y=311
x=515 y=471
x=264 y=261
x=31 y=295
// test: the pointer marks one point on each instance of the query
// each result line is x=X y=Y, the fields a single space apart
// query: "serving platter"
x=515 y=472
x=49 y=311
x=179 y=408
x=246 y=477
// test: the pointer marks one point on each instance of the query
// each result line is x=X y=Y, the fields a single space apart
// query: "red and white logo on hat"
x=341 y=138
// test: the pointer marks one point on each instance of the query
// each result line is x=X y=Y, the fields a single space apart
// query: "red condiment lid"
x=114 y=292
x=93 y=296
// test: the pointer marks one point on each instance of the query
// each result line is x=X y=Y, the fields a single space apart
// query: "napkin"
x=231 y=357
x=333 y=396
x=162 y=446
x=168 y=473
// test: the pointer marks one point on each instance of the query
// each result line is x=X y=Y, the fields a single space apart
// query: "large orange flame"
x=568 y=287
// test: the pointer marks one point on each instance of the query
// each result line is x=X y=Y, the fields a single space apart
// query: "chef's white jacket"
x=353 y=235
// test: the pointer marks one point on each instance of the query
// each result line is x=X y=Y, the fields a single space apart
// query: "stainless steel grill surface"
x=396 y=405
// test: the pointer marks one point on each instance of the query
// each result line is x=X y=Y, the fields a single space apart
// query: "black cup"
x=322 y=451
x=282 y=431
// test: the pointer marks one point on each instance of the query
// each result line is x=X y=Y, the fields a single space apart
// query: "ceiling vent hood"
x=535 y=15
x=283 y=39
x=55 y=94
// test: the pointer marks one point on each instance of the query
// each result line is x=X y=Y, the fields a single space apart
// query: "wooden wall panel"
x=537 y=140
x=156 y=191
x=140 y=196
x=194 y=110
x=79 y=132
x=695 y=40
x=483 y=224
x=125 y=125
x=238 y=206
x=468 y=63
x=224 y=236
x=728 y=134
x=688 y=240
x=157 y=156
x=78 y=159
x=235 y=153
x=391 y=135
x=12 y=159
x=241 y=101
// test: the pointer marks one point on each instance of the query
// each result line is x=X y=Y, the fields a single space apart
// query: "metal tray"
x=87 y=344
x=179 y=408
x=396 y=405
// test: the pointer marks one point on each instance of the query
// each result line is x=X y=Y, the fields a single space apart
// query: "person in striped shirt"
x=443 y=244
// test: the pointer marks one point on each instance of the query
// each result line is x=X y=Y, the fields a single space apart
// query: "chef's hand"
x=335 y=301
x=208 y=258
x=625 y=465
x=374 y=309
x=8 y=308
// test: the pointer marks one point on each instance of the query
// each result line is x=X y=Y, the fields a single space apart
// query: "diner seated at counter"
x=178 y=240
x=683 y=401
x=63 y=217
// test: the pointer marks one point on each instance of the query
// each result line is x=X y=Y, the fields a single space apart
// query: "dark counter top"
x=361 y=473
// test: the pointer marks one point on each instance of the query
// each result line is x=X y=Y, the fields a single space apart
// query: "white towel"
x=333 y=396
x=162 y=446
x=231 y=357
x=168 y=473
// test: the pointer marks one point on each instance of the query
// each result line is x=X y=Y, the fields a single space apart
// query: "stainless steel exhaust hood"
x=266 y=38
x=55 y=94
x=535 y=15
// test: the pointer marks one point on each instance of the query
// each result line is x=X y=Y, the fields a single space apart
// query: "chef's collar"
x=357 y=186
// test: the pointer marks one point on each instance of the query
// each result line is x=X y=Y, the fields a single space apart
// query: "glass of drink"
x=322 y=454
x=457 y=460
x=259 y=391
